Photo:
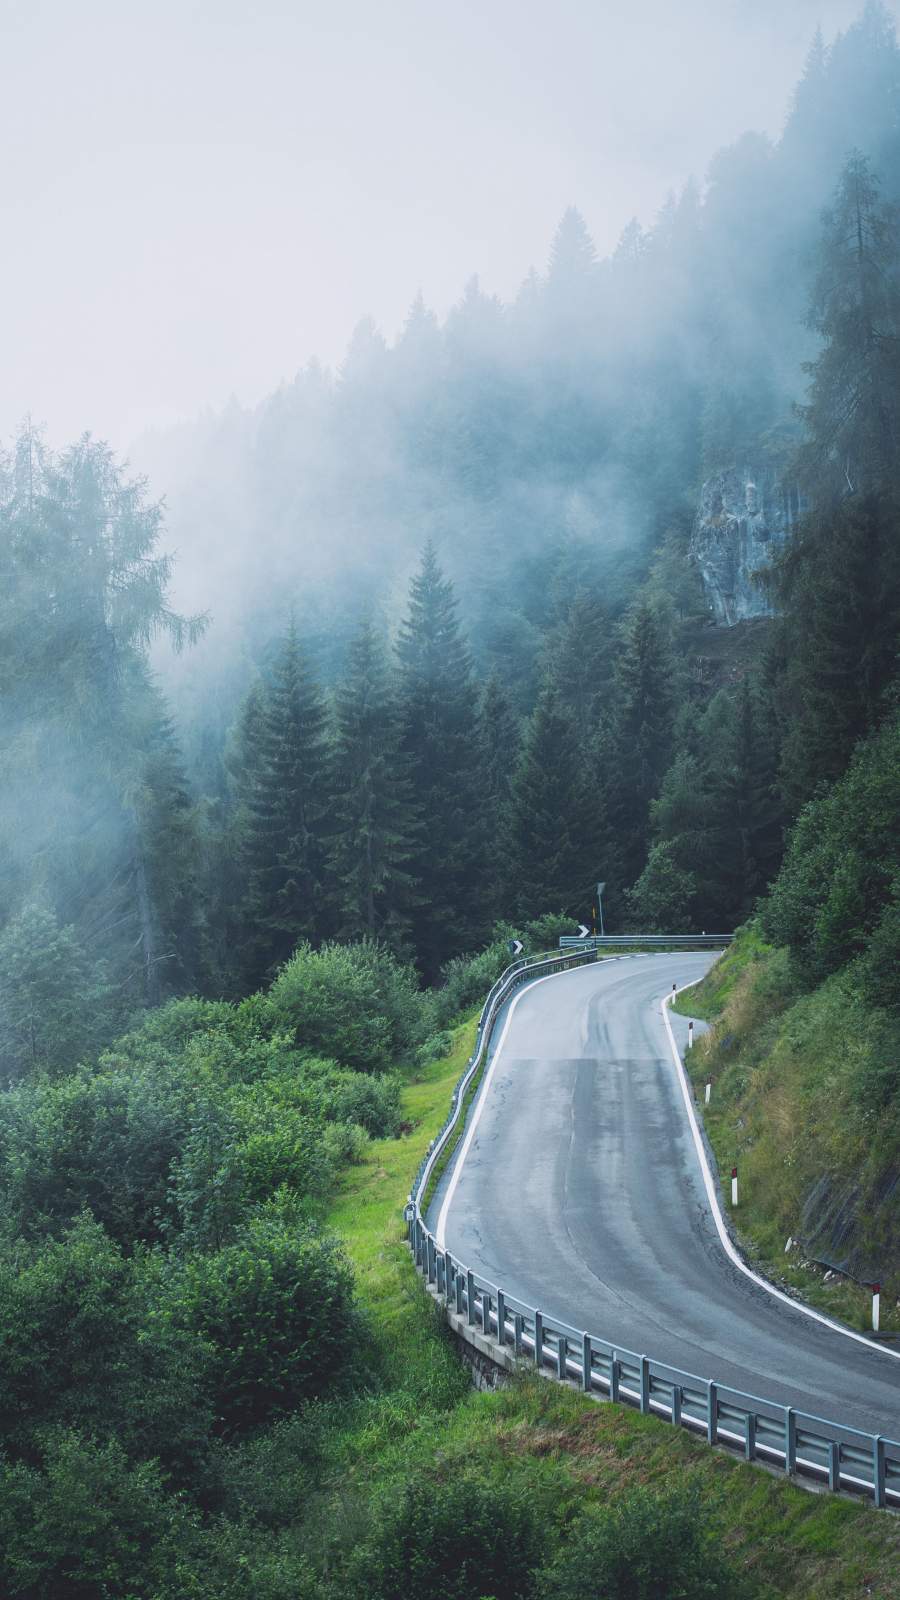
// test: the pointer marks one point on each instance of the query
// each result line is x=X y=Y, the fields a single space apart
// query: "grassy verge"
x=784 y=1109
x=423 y=1418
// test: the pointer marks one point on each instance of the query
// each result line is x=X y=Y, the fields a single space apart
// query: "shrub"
x=89 y=1524
x=457 y=1540
x=647 y=1547
x=355 y=1002
x=465 y=981
x=277 y=1309
x=80 y=1346
x=104 y=1141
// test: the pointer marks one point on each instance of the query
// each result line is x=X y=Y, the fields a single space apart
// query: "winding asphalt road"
x=579 y=1190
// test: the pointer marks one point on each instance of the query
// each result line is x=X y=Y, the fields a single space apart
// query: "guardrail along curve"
x=797 y=1442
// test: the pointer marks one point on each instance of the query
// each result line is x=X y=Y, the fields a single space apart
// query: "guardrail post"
x=790 y=1439
x=834 y=1465
x=645 y=1386
x=518 y=1330
x=470 y=1300
x=501 y=1317
x=459 y=1293
x=614 y=1371
x=878 y=1470
x=586 y=1362
x=750 y=1436
x=486 y=1312
x=712 y=1412
x=562 y=1350
x=538 y=1340
x=432 y=1260
x=676 y=1405
x=417 y=1242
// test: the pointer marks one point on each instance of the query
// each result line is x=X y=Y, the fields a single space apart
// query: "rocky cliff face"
x=743 y=519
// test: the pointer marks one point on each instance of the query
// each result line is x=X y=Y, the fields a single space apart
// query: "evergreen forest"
x=436 y=655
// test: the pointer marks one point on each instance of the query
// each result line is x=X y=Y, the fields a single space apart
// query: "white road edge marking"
x=724 y=1235
x=441 y=1224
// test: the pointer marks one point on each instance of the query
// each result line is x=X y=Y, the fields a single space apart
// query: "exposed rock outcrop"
x=743 y=519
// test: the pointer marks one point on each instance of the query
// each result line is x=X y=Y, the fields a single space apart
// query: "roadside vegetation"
x=790 y=1106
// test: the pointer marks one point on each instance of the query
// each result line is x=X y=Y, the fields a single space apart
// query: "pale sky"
x=198 y=196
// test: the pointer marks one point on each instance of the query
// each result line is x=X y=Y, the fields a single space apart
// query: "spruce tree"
x=634 y=750
x=439 y=710
x=375 y=833
x=500 y=740
x=554 y=821
x=287 y=807
x=852 y=415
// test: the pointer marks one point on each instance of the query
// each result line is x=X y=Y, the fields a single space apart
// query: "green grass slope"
x=789 y=1107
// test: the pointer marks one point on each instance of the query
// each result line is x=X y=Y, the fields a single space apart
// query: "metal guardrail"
x=647 y=941
x=758 y=1429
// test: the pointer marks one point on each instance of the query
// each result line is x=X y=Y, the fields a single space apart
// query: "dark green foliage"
x=457 y=1539
x=438 y=700
x=99 y=1141
x=553 y=817
x=355 y=1001
x=635 y=751
x=664 y=894
x=286 y=796
x=88 y=1524
x=840 y=585
x=375 y=819
x=276 y=1310
x=836 y=887
x=645 y=1548
x=80 y=1348
x=718 y=821
x=853 y=413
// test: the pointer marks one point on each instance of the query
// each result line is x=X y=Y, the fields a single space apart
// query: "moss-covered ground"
x=422 y=1417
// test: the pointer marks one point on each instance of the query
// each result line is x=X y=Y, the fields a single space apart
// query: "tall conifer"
x=439 y=707
x=374 y=824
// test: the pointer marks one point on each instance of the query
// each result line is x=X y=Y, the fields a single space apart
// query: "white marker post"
x=876 y=1307
x=708 y=1089
x=690 y=1036
x=734 y=1186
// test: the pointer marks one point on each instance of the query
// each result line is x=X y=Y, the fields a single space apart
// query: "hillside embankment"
x=789 y=1106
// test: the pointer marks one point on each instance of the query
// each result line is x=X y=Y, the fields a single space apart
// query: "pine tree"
x=853 y=413
x=500 y=740
x=374 y=823
x=841 y=591
x=554 y=819
x=439 y=707
x=287 y=807
x=636 y=744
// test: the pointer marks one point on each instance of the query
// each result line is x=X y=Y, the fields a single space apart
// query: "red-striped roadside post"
x=734 y=1191
x=690 y=1036
x=876 y=1307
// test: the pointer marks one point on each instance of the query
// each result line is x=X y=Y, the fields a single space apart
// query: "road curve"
x=578 y=1189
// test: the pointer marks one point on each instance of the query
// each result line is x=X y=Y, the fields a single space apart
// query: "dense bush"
x=465 y=982
x=80 y=1346
x=355 y=1002
x=837 y=887
x=89 y=1525
x=104 y=1141
x=645 y=1548
x=276 y=1307
x=456 y=1540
